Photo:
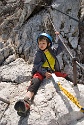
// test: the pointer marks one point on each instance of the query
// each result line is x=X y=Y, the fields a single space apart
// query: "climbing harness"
x=68 y=94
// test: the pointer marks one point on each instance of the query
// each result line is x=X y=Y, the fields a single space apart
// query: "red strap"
x=38 y=75
x=59 y=74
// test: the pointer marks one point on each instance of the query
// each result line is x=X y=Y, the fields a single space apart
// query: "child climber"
x=45 y=63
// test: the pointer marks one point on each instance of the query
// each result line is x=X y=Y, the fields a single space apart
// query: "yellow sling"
x=50 y=59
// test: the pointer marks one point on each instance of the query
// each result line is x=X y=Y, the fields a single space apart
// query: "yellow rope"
x=71 y=97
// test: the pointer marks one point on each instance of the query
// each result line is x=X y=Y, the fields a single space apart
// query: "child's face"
x=42 y=44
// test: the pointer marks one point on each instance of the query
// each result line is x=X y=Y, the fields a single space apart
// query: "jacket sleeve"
x=37 y=67
x=59 y=49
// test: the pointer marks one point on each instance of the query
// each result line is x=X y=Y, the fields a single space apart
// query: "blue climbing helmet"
x=46 y=35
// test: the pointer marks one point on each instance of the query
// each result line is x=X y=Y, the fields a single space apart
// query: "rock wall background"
x=82 y=29
x=20 y=23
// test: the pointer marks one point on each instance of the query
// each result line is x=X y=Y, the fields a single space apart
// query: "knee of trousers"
x=35 y=83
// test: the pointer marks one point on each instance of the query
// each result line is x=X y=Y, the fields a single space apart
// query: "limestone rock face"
x=82 y=29
x=15 y=72
x=27 y=19
x=20 y=23
x=50 y=106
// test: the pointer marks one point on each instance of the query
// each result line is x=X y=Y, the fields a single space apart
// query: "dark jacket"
x=40 y=58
